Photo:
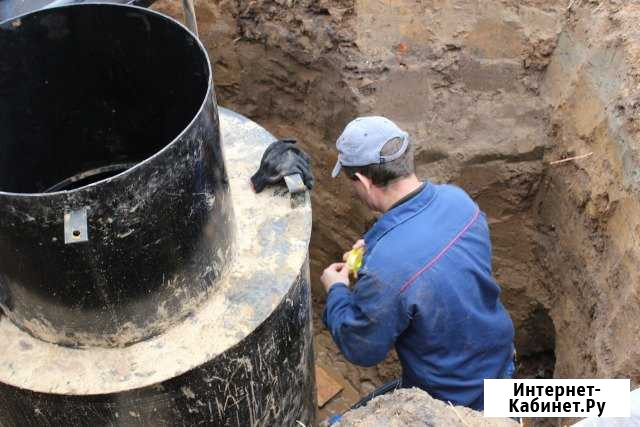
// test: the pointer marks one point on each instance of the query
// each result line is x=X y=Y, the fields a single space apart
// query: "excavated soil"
x=492 y=92
x=414 y=407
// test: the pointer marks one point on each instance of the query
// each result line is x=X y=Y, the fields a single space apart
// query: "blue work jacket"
x=426 y=286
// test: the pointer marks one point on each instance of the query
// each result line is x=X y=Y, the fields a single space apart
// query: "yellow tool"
x=354 y=260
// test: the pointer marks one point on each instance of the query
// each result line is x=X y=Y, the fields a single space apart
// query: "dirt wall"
x=587 y=210
x=462 y=77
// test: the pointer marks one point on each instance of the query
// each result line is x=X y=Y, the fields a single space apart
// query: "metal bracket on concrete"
x=296 y=188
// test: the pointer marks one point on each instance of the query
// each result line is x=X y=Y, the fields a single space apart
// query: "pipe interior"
x=91 y=86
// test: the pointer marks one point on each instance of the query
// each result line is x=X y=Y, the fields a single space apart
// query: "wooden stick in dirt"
x=568 y=159
x=571 y=4
x=460 y=417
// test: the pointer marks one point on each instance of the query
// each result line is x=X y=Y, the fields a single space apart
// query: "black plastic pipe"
x=120 y=258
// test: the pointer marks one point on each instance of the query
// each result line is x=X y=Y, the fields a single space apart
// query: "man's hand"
x=356 y=245
x=338 y=272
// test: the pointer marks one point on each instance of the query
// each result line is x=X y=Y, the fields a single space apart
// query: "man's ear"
x=368 y=183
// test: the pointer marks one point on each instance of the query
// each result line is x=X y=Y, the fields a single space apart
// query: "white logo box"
x=578 y=398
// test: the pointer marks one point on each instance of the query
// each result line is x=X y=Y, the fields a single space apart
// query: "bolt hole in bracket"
x=75 y=226
x=75 y=222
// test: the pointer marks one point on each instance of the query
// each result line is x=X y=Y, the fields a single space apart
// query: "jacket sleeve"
x=366 y=322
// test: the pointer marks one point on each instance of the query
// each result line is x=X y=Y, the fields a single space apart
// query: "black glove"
x=282 y=158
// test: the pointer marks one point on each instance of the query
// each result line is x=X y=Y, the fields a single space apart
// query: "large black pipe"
x=89 y=88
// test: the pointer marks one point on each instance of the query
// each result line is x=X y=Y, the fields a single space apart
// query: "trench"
x=494 y=107
x=491 y=107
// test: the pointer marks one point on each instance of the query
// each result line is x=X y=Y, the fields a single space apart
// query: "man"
x=426 y=284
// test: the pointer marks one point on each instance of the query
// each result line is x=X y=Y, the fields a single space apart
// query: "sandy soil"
x=414 y=407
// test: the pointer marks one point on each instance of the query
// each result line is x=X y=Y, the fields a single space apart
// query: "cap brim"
x=336 y=169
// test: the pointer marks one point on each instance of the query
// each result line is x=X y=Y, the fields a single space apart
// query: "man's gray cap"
x=362 y=140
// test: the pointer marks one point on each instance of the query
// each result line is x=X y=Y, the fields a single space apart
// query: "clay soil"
x=492 y=92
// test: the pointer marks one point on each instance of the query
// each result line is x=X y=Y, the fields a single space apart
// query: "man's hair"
x=382 y=174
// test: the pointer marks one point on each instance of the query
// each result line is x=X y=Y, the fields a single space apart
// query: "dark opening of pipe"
x=73 y=99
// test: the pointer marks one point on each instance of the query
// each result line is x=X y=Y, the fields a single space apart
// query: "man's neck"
x=399 y=189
